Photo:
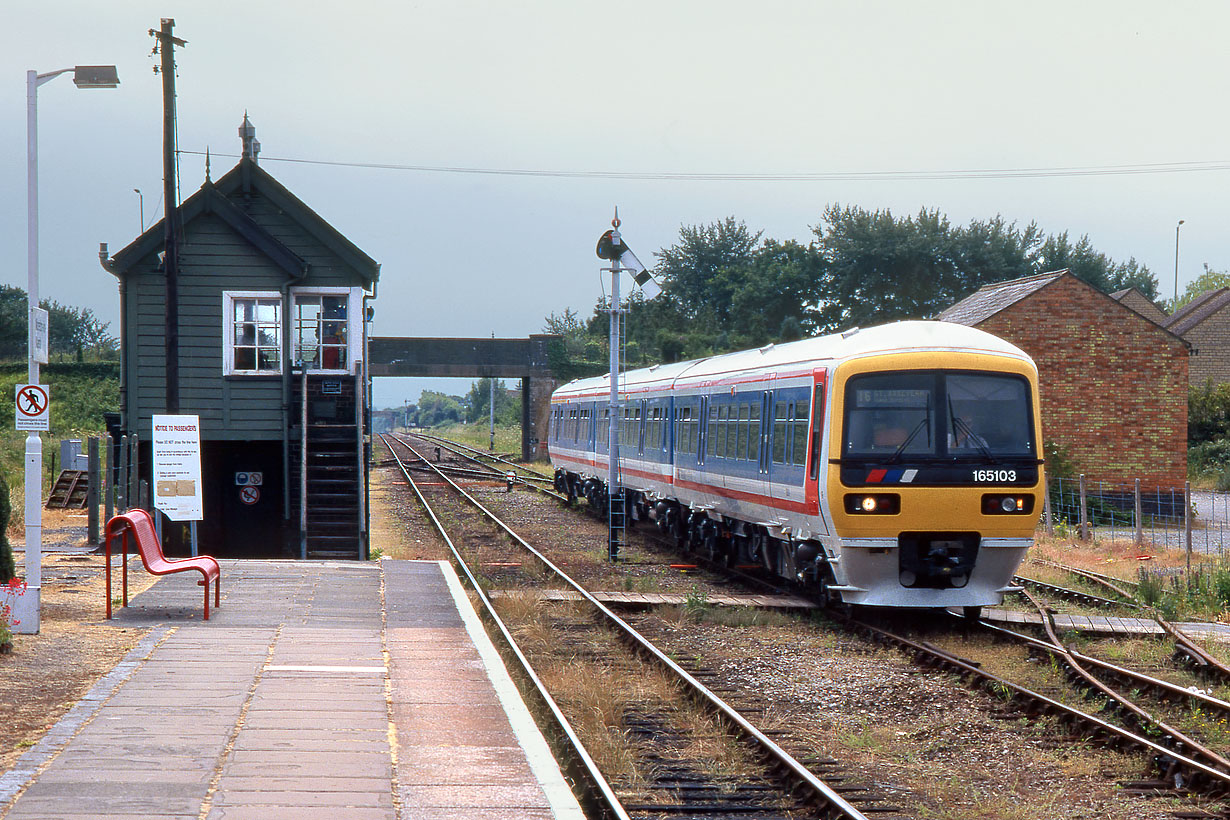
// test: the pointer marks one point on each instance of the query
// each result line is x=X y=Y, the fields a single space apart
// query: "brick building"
x=1205 y=324
x=1137 y=301
x=1113 y=384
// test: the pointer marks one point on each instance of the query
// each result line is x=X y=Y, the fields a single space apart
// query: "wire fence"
x=1175 y=517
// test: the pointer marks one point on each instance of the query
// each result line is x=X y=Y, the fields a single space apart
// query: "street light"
x=84 y=76
x=141 y=196
x=1176 y=267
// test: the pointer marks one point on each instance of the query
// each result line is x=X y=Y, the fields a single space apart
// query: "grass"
x=478 y=436
x=80 y=394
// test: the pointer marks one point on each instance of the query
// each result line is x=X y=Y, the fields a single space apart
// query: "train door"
x=815 y=467
x=642 y=408
x=702 y=430
x=593 y=427
x=763 y=431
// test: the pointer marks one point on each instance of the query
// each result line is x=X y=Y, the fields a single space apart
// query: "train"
x=892 y=466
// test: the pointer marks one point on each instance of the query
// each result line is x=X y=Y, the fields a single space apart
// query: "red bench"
x=140 y=525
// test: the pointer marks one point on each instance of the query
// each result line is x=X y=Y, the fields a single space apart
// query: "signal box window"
x=322 y=330
x=253 y=334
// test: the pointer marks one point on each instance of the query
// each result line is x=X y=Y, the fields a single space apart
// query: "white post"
x=613 y=432
x=491 y=384
x=34 y=443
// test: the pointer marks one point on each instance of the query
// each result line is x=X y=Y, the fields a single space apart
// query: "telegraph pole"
x=166 y=49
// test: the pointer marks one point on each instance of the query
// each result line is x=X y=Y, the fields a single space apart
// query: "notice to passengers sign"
x=177 y=467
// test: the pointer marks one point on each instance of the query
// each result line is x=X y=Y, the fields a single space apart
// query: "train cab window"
x=798 y=437
x=753 y=432
x=988 y=412
x=939 y=414
x=780 y=428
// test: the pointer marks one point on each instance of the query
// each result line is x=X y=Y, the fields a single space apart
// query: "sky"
x=885 y=105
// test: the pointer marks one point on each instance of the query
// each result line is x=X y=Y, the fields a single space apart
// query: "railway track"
x=1196 y=656
x=675 y=786
x=1202 y=772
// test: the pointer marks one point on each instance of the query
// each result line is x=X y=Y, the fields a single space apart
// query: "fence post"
x=1046 y=507
x=1187 y=525
x=1140 y=526
x=121 y=483
x=109 y=484
x=1084 y=531
x=91 y=493
x=133 y=496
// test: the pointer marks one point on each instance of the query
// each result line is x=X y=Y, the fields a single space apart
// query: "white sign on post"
x=33 y=407
x=177 y=467
x=40 y=323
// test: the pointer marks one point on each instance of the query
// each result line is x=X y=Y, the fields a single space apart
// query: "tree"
x=1209 y=280
x=507 y=408
x=781 y=287
x=689 y=269
x=435 y=409
x=1086 y=263
x=12 y=322
x=71 y=332
x=882 y=268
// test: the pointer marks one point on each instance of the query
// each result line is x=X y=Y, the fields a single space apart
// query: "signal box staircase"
x=334 y=526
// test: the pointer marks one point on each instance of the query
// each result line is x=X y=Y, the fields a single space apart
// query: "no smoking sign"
x=33 y=407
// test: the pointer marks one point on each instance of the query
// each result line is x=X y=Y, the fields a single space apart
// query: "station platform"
x=364 y=691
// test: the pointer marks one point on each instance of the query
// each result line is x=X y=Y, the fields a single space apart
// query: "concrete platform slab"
x=284 y=704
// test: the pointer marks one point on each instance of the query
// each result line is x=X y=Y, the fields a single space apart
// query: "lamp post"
x=84 y=76
x=141 y=196
x=1176 y=266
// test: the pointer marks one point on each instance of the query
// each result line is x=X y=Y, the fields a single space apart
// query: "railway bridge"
x=525 y=359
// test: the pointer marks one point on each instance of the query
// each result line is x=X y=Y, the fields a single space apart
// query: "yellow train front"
x=934 y=477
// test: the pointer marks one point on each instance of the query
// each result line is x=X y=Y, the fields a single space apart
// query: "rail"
x=601 y=790
x=829 y=798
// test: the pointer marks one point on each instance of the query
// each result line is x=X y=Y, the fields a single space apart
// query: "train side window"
x=817 y=427
x=723 y=412
x=780 y=409
x=694 y=432
x=741 y=432
x=753 y=433
x=711 y=444
x=799 y=434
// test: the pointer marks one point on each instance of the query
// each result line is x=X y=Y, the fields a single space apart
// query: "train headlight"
x=908 y=578
x=958 y=580
x=872 y=504
x=1007 y=504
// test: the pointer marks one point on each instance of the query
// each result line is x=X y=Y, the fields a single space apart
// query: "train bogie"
x=897 y=466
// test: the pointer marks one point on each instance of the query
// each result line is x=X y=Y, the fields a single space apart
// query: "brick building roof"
x=1196 y=311
x=991 y=299
x=1137 y=301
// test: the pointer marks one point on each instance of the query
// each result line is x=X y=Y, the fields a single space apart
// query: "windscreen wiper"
x=970 y=435
x=896 y=456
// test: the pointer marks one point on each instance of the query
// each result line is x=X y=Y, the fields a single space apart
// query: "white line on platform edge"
x=379 y=669
x=537 y=752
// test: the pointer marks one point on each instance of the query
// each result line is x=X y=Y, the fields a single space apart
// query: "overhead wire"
x=801 y=176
